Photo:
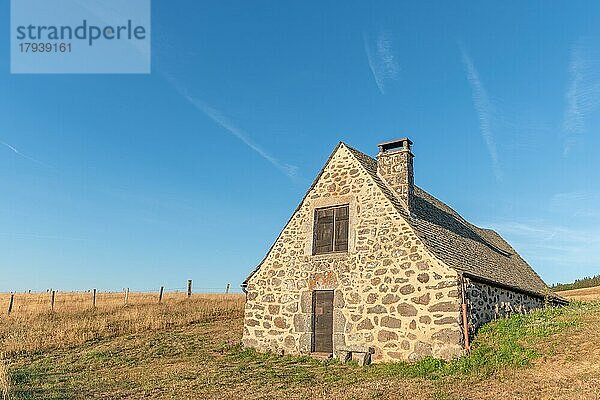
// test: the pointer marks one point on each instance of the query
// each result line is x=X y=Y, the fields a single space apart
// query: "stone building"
x=372 y=267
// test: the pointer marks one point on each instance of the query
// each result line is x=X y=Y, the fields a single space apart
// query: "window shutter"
x=341 y=229
x=324 y=231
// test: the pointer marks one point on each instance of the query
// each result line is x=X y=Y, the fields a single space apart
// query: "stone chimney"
x=395 y=167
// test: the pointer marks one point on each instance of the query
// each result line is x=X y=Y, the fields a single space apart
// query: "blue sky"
x=113 y=181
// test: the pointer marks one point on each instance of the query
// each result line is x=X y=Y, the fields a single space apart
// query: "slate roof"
x=479 y=253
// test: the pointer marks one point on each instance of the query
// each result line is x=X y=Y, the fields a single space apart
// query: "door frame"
x=313 y=315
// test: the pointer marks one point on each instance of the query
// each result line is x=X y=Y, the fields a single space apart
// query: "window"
x=331 y=230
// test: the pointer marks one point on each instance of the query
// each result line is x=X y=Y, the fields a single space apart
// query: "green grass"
x=504 y=344
x=208 y=364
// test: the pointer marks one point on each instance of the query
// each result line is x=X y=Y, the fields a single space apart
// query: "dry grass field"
x=189 y=349
x=586 y=294
x=32 y=326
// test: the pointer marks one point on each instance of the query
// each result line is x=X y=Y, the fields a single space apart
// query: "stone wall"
x=486 y=303
x=389 y=293
x=396 y=168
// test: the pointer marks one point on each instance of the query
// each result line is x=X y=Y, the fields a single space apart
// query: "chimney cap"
x=404 y=144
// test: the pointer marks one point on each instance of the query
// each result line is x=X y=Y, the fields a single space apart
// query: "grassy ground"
x=32 y=327
x=551 y=354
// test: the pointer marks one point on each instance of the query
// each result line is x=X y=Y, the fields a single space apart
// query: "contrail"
x=483 y=106
x=14 y=150
x=219 y=118
x=382 y=62
x=290 y=170
x=582 y=95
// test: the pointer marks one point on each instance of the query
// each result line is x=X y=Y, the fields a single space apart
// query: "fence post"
x=160 y=294
x=94 y=298
x=126 y=295
x=189 y=288
x=227 y=288
x=52 y=300
x=10 y=303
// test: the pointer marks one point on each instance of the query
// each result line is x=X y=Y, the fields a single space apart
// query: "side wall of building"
x=389 y=293
x=486 y=303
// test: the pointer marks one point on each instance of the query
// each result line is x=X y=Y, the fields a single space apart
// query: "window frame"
x=334 y=208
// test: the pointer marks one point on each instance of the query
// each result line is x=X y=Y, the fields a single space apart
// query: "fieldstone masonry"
x=396 y=168
x=389 y=292
x=394 y=299
x=487 y=303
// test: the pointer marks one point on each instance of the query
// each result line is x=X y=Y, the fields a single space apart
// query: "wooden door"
x=322 y=321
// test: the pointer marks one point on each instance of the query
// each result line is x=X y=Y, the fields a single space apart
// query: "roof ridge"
x=463 y=254
x=460 y=217
x=478 y=252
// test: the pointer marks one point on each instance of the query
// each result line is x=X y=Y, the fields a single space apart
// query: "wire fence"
x=196 y=290
x=52 y=299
